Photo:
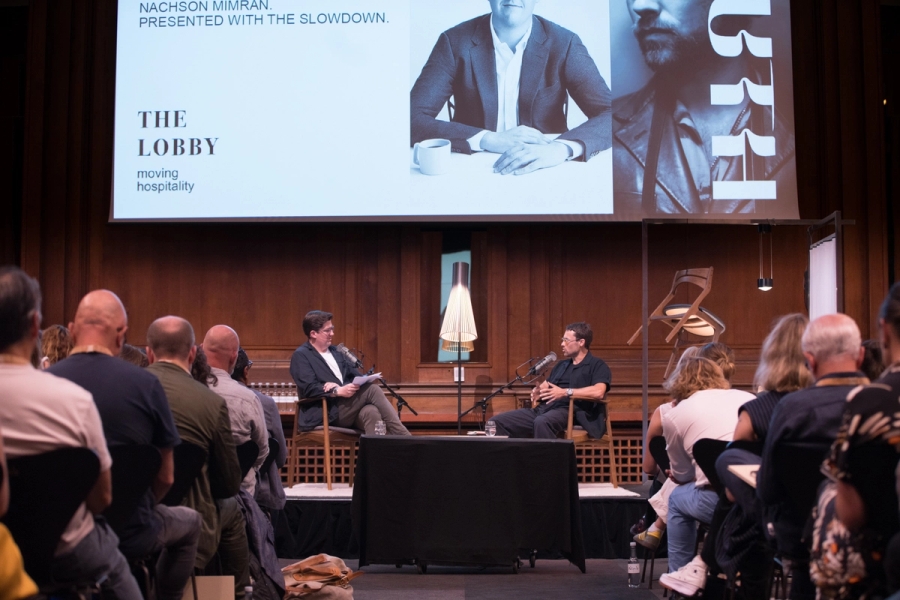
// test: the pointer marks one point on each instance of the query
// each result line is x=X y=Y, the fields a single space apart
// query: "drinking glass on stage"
x=490 y=429
x=380 y=428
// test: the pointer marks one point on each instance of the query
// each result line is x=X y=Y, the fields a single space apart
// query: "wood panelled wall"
x=262 y=278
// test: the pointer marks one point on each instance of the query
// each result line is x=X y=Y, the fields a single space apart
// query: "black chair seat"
x=755 y=446
x=133 y=470
x=247 y=455
x=45 y=491
x=189 y=460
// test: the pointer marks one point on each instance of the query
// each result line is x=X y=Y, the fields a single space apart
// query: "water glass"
x=380 y=428
x=490 y=428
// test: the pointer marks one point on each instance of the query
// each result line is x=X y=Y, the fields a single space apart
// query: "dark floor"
x=550 y=579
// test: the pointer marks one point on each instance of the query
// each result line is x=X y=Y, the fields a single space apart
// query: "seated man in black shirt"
x=581 y=376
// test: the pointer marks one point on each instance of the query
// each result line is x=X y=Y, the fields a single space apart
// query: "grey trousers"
x=95 y=557
x=365 y=408
x=178 y=542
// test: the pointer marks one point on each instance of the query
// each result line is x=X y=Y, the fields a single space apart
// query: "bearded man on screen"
x=510 y=75
x=671 y=121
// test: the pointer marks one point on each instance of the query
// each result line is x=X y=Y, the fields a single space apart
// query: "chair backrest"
x=45 y=490
x=705 y=453
x=133 y=470
x=273 y=452
x=657 y=448
x=797 y=469
x=189 y=460
x=247 y=455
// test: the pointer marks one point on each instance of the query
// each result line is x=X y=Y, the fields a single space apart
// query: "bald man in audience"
x=202 y=419
x=833 y=349
x=134 y=411
x=248 y=422
x=40 y=413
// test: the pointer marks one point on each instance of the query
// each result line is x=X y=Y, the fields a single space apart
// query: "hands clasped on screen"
x=524 y=149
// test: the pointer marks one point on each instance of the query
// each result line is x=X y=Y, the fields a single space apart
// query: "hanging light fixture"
x=765 y=283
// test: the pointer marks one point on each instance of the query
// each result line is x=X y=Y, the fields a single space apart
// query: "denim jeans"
x=688 y=504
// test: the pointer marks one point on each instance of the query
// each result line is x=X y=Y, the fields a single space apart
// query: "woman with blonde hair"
x=691 y=375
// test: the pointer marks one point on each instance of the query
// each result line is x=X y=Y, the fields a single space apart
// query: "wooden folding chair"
x=691 y=324
x=579 y=435
x=326 y=436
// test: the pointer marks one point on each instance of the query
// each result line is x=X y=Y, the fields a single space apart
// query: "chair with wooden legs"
x=579 y=435
x=691 y=324
x=326 y=436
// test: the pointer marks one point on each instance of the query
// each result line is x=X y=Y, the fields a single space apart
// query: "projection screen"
x=468 y=110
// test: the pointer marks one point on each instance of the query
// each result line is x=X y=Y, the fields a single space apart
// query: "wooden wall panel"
x=262 y=278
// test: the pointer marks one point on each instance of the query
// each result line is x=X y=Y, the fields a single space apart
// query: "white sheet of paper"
x=364 y=379
x=746 y=472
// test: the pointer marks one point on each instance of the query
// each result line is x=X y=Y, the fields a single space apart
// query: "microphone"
x=352 y=357
x=542 y=364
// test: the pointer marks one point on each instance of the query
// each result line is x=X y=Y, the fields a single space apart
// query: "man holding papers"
x=320 y=370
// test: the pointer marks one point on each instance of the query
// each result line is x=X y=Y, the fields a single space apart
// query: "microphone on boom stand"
x=358 y=364
x=542 y=364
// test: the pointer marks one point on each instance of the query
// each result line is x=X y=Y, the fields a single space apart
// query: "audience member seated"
x=723 y=356
x=873 y=360
x=658 y=511
x=248 y=422
x=709 y=411
x=41 y=412
x=134 y=411
x=56 y=343
x=201 y=417
x=863 y=497
x=14 y=581
x=134 y=355
x=782 y=369
x=269 y=490
x=200 y=370
x=833 y=351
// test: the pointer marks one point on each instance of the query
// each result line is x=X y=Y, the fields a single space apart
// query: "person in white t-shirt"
x=41 y=412
x=711 y=413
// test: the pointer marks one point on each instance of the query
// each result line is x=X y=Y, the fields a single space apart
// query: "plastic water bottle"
x=634 y=568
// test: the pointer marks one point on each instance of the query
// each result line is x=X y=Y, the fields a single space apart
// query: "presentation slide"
x=470 y=110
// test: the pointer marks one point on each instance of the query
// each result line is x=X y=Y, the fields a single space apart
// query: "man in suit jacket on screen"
x=510 y=74
x=321 y=370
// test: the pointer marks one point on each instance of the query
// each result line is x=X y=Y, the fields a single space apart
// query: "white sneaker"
x=688 y=580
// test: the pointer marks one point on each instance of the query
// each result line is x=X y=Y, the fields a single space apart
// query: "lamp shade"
x=457 y=346
x=459 y=320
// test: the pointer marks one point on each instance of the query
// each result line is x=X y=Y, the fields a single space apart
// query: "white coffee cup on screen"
x=432 y=156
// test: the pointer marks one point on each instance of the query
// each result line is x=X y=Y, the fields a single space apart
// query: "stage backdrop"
x=305 y=110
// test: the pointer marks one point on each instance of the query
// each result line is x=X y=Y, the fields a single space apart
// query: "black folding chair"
x=45 y=491
x=754 y=447
x=189 y=460
x=657 y=448
x=133 y=470
x=247 y=455
x=270 y=458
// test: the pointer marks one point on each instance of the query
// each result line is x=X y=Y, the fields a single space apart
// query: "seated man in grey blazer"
x=510 y=74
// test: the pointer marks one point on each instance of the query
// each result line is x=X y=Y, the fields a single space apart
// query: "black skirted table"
x=465 y=500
